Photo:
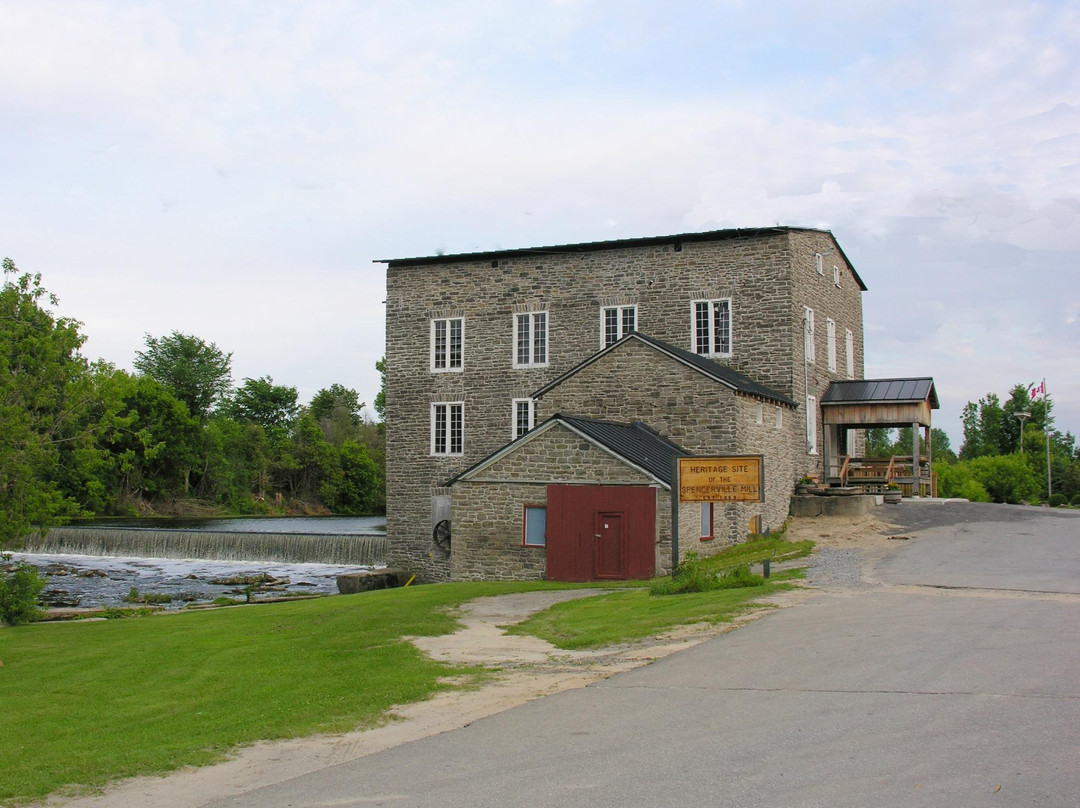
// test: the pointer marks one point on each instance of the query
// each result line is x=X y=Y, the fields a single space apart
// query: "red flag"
x=1039 y=388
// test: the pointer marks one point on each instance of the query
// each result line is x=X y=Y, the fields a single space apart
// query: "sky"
x=232 y=169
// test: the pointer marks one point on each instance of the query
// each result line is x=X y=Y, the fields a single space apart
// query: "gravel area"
x=834 y=568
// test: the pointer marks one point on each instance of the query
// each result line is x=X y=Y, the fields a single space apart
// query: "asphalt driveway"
x=954 y=681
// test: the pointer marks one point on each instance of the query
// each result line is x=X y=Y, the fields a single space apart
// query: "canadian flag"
x=1039 y=388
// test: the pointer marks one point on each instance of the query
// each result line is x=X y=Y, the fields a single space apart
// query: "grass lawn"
x=84 y=704
x=92 y=702
x=631 y=614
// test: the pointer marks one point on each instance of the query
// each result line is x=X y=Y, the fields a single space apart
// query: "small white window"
x=819 y=264
x=448 y=428
x=808 y=333
x=523 y=414
x=710 y=330
x=616 y=322
x=534 y=526
x=706 y=521
x=779 y=418
x=811 y=425
x=849 y=350
x=830 y=342
x=759 y=413
x=531 y=339
x=836 y=275
x=447 y=344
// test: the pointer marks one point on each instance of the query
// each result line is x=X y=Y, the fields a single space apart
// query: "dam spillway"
x=319 y=548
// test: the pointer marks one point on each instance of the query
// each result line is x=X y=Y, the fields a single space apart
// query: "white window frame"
x=443 y=445
x=811 y=425
x=779 y=422
x=830 y=342
x=446 y=355
x=708 y=522
x=536 y=340
x=528 y=537
x=849 y=350
x=515 y=419
x=819 y=264
x=808 y=334
x=836 y=275
x=620 y=323
x=759 y=413
x=710 y=332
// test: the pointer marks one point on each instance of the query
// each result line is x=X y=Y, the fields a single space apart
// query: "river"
x=80 y=580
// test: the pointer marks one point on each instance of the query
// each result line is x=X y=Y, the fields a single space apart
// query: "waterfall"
x=342 y=549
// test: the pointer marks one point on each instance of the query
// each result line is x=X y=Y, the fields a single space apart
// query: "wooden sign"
x=722 y=479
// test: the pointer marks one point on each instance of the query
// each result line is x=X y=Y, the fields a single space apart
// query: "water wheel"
x=441 y=535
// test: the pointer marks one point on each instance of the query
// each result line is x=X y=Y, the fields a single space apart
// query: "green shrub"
x=702 y=575
x=1076 y=500
x=20 y=585
x=1057 y=500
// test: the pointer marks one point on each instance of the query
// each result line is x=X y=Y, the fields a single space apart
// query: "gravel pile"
x=831 y=568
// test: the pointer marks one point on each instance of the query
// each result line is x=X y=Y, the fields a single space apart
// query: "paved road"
x=955 y=682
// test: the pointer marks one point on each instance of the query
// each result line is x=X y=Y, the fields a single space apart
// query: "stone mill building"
x=536 y=398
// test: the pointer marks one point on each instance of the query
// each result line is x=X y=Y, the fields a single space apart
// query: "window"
x=706 y=521
x=830 y=343
x=447 y=344
x=811 y=425
x=759 y=413
x=712 y=327
x=808 y=333
x=616 y=322
x=447 y=428
x=524 y=412
x=779 y=417
x=534 y=526
x=836 y=276
x=819 y=264
x=849 y=350
x=530 y=339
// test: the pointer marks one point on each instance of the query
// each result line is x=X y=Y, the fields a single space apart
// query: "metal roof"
x=616 y=244
x=727 y=376
x=882 y=390
x=635 y=444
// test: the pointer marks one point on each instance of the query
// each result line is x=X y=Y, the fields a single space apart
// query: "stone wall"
x=765 y=276
x=488 y=508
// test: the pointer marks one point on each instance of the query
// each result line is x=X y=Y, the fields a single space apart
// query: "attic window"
x=819 y=264
x=836 y=276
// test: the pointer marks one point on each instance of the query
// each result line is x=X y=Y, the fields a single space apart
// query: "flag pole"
x=1046 y=427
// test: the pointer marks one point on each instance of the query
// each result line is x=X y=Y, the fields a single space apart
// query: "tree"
x=197 y=372
x=380 y=397
x=44 y=392
x=260 y=401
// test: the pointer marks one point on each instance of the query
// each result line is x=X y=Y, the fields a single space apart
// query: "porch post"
x=915 y=469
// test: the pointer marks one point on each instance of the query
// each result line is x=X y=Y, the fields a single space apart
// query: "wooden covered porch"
x=879 y=403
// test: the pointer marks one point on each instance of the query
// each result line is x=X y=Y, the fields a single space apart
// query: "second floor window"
x=617 y=322
x=849 y=350
x=808 y=334
x=447 y=344
x=712 y=327
x=524 y=413
x=448 y=428
x=530 y=339
x=830 y=343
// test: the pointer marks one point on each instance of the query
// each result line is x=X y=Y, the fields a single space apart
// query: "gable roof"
x=726 y=376
x=860 y=391
x=617 y=244
x=634 y=444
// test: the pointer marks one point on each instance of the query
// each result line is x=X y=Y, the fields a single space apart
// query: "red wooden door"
x=581 y=548
x=609 y=545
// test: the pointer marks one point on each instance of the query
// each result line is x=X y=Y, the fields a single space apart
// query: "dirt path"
x=527 y=668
